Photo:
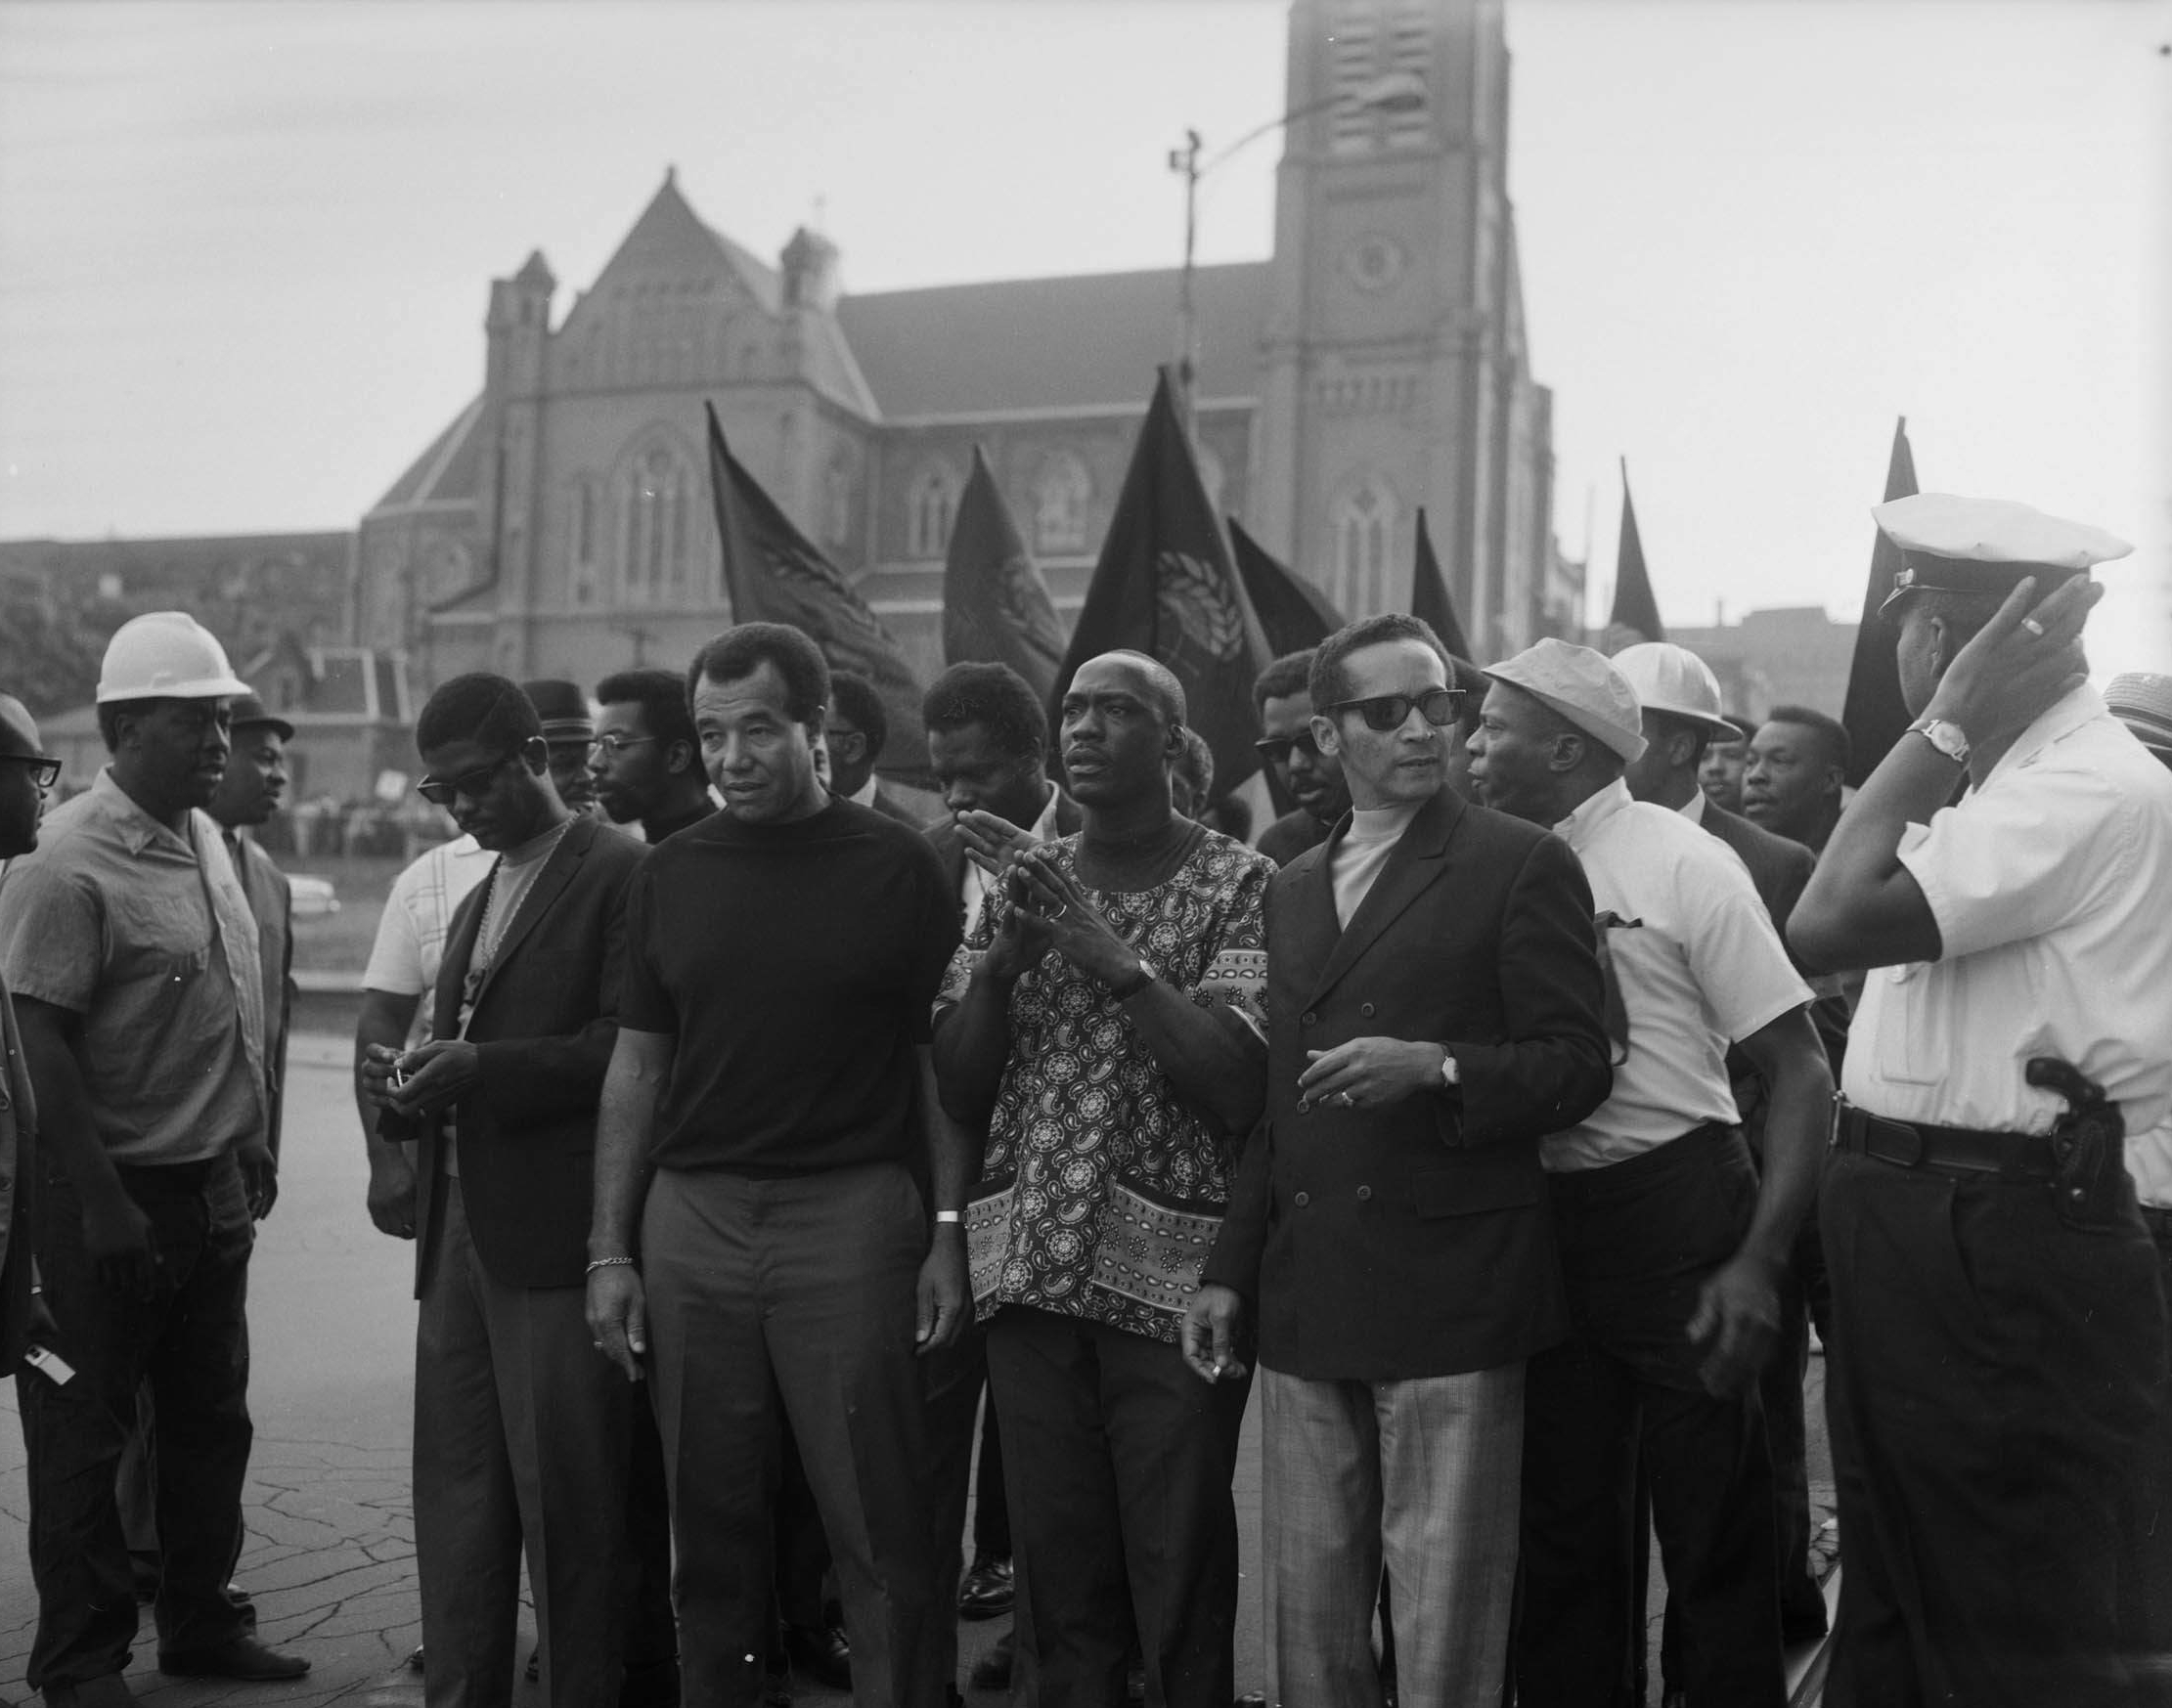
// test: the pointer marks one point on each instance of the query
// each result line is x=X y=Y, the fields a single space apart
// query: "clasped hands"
x=1048 y=910
x=431 y=1078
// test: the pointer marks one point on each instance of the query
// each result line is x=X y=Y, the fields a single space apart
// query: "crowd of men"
x=785 y=1174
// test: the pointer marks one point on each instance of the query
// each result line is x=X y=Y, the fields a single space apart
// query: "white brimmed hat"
x=1674 y=679
x=1583 y=687
x=1986 y=545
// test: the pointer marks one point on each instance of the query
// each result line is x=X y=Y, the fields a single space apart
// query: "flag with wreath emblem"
x=1164 y=586
x=995 y=607
x=773 y=573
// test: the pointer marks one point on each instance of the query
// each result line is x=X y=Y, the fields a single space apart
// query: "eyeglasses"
x=1275 y=749
x=1436 y=706
x=443 y=791
x=44 y=771
x=612 y=745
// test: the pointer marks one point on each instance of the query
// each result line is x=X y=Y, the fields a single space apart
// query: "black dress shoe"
x=823 y=1652
x=988 y=1591
x=992 y=1672
x=242 y=1657
x=110 y=1690
x=415 y=1660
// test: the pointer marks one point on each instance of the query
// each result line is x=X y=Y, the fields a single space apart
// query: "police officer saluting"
x=1998 y=1327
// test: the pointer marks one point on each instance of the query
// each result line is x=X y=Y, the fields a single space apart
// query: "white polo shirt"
x=1698 y=962
x=2052 y=886
x=418 y=913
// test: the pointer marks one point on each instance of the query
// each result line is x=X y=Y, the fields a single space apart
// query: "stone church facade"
x=560 y=525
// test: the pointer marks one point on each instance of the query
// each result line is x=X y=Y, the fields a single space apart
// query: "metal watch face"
x=1946 y=738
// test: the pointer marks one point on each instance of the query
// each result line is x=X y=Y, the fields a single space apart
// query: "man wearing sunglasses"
x=128 y=943
x=1314 y=779
x=1434 y=1007
x=525 y=1440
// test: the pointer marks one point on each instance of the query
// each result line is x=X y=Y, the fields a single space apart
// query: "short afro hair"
x=858 y=701
x=993 y=696
x=1831 y=733
x=740 y=651
x=1196 y=766
x=1330 y=685
x=481 y=707
x=1288 y=674
x=661 y=694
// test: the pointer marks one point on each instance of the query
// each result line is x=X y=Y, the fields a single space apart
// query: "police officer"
x=1999 y=1331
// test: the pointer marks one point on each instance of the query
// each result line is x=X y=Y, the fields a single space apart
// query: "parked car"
x=313 y=897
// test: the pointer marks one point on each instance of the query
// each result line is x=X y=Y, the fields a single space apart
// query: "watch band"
x=1946 y=737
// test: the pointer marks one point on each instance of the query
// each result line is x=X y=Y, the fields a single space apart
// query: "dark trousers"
x=772 y=1299
x=189 y=1339
x=1990 y=1373
x=524 y=1443
x=1127 y=1481
x=952 y=1380
x=1637 y=1241
x=2146 y=1537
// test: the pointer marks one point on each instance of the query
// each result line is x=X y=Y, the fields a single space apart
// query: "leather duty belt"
x=1961 y=1153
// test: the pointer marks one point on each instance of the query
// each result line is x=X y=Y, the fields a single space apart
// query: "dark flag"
x=1636 y=613
x=1293 y=613
x=1430 y=599
x=775 y=574
x=1165 y=586
x=995 y=607
x=1875 y=715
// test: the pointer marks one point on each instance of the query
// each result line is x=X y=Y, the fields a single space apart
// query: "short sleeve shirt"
x=418 y=913
x=2052 y=888
x=1112 y=1186
x=112 y=919
x=1699 y=965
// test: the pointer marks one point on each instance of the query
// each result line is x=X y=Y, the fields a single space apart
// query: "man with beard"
x=645 y=760
x=128 y=942
x=1282 y=697
x=1103 y=1026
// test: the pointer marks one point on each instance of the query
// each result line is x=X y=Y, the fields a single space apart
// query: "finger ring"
x=1349 y=1102
x=597 y=1345
x=2033 y=627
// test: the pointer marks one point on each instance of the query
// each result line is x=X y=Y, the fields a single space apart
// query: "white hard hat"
x=1674 y=679
x=165 y=655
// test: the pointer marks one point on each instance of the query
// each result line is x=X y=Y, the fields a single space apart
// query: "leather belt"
x=1961 y=1153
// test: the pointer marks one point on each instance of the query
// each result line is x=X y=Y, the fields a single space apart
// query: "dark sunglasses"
x=475 y=784
x=1275 y=749
x=1439 y=706
x=44 y=773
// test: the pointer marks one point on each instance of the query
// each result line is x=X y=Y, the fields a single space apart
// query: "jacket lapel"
x=557 y=872
x=460 y=949
x=1413 y=865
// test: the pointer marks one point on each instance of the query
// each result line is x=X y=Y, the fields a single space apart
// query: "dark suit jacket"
x=544 y=1026
x=890 y=808
x=270 y=900
x=1780 y=868
x=1291 y=835
x=1417 y=1239
x=950 y=846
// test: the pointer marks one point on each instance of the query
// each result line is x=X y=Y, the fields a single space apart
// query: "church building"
x=562 y=526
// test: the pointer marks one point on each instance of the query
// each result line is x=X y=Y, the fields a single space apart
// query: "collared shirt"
x=1116 y=1182
x=864 y=795
x=117 y=918
x=2051 y=887
x=972 y=882
x=418 y=913
x=1693 y=808
x=1698 y=963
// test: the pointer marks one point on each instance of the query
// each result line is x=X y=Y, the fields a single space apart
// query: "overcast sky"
x=245 y=249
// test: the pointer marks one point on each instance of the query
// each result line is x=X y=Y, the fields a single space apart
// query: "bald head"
x=1153 y=676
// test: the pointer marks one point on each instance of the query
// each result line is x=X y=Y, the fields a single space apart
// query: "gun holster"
x=2092 y=1188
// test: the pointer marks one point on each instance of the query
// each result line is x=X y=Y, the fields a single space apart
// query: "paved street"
x=330 y=1550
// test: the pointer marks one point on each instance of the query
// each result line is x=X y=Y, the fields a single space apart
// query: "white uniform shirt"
x=2052 y=886
x=1698 y=963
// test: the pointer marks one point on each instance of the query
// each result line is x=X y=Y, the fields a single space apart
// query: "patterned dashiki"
x=1103 y=1190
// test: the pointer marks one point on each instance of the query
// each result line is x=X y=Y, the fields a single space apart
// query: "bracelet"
x=1133 y=985
x=596 y=1264
x=955 y=1216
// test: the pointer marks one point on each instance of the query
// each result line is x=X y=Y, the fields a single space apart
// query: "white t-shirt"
x=2052 y=886
x=1699 y=965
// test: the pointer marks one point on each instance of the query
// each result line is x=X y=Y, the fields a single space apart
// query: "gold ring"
x=2033 y=627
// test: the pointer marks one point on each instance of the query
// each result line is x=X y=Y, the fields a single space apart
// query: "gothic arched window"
x=931 y=504
x=656 y=490
x=1062 y=490
x=1362 y=525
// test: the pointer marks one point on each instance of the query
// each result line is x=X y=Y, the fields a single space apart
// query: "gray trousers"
x=523 y=1438
x=1422 y=1476
x=793 y=1298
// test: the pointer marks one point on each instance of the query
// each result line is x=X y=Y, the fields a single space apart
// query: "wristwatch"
x=1945 y=736
x=1450 y=1073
